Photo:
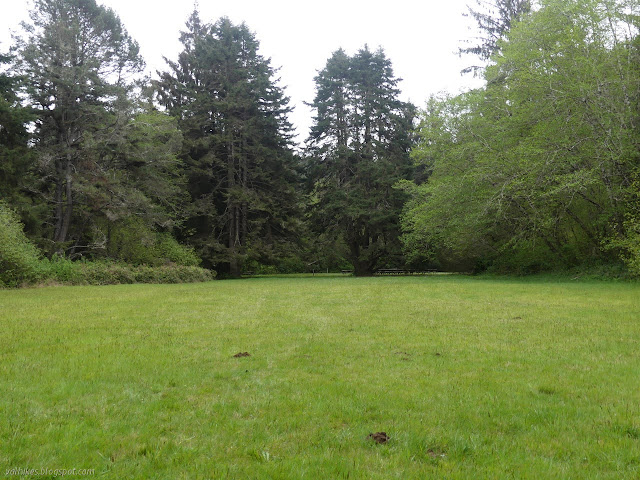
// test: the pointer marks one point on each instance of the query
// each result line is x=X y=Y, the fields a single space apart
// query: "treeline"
x=538 y=170
x=197 y=167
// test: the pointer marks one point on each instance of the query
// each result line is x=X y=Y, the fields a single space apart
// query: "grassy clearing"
x=471 y=378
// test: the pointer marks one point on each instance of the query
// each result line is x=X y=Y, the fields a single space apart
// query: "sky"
x=419 y=37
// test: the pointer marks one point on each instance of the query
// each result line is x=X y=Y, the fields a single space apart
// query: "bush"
x=61 y=270
x=292 y=264
x=106 y=273
x=21 y=262
x=169 y=249
x=111 y=273
x=133 y=242
x=19 y=258
x=630 y=245
x=525 y=258
x=173 y=274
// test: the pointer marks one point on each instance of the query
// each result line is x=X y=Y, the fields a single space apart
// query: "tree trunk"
x=232 y=214
x=59 y=201
x=245 y=205
x=361 y=266
x=64 y=203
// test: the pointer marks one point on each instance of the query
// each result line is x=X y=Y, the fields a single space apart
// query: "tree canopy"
x=358 y=149
x=237 y=152
x=537 y=170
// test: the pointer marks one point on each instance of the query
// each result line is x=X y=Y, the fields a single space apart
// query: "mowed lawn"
x=470 y=378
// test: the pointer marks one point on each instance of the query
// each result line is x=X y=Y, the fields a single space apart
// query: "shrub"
x=19 y=258
x=21 y=262
x=292 y=264
x=106 y=273
x=61 y=270
x=134 y=242
x=169 y=249
x=630 y=246
x=112 y=273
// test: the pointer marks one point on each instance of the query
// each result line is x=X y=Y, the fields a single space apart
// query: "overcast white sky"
x=419 y=37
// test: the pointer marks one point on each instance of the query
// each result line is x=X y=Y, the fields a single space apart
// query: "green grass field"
x=470 y=378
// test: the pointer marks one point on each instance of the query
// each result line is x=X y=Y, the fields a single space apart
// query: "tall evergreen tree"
x=16 y=159
x=493 y=19
x=236 y=145
x=359 y=146
x=77 y=59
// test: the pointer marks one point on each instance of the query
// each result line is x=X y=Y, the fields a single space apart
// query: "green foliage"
x=287 y=265
x=631 y=244
x=168 y=248
x=358 y=148
x=292 y=265
x=536 y=171
x=328 y=252
x=98 y=273
x=60 y=270
x=21 y=262
x=16 y=159
x=628 y=244
x=132 y=241
x=533 y=171
x=142 y=177
x=241 y=170
x=19 y=258
x=76 y=60
x=64 y=271
x=526 y=258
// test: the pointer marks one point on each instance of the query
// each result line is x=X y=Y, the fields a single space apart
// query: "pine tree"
x=16 y=159
x=77 y=59
x=359 y=146
x=493 y=18
x=237 y=151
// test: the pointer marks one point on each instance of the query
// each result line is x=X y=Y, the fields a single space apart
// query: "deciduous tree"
x=534 y=171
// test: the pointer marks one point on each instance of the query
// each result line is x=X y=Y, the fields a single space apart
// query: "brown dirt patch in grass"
x=379 y=437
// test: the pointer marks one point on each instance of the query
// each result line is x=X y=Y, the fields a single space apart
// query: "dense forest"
x=104 y=171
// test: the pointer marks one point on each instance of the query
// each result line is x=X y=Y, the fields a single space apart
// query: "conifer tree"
x=493 y=18
x=359 y=146
x=239 y=163
x=78 y=61
x=16 y=160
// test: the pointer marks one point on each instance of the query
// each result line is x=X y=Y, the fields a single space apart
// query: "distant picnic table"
x=396 y=271
x=402 y=271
